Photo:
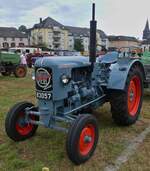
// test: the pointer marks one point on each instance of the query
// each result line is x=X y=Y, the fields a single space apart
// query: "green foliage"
x=78 y=46
x=41 y=45
x=23 y=28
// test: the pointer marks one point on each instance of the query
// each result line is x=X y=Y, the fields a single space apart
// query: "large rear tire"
x=126 y=105
x=15 y=125
x=82 y=138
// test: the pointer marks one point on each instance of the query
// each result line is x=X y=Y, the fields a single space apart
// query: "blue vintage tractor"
x=69 y=88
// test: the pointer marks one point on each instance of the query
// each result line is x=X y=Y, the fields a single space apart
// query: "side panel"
x=9 y=58
x=60 y=91
x=119 y=73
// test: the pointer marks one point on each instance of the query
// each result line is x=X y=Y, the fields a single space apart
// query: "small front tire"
x=16 y=127
x=82 y=138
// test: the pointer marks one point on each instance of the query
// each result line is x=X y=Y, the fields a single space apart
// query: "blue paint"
x=84 y=89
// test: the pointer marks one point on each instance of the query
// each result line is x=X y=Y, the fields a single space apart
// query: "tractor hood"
x=63 y=61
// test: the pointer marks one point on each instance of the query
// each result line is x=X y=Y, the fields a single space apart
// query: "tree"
x=23 y=28
x=78 y=46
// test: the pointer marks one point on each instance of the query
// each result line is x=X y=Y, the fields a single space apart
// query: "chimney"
x=40 y=20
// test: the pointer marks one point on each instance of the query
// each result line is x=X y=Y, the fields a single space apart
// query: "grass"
x=47 y=148
x=140 y=160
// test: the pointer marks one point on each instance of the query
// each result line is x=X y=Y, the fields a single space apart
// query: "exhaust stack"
x=93 y=27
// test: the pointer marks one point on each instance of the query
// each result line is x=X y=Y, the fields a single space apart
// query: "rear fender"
x=119 y=73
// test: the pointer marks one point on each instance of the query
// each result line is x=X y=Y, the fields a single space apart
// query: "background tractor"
x=10 y=63
x=69 y=88
x=146 y=63
x=135 y=52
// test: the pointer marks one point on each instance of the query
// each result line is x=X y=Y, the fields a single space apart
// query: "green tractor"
x=146 y=62
x=136 y=52
x=146 y=58
x=10 y=63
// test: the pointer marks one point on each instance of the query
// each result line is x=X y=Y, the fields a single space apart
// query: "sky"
x=115 y=17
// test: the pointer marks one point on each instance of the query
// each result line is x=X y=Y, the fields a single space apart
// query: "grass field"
x=140 y=160
x=47 y=147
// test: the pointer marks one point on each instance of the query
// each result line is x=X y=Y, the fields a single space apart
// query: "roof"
x=102 y=34
x=47 y=23
x=122 y=38
x=146 y=32
x=82 y=31
x=147 y=26
x=76 y=31
x=11 y=32
x=146 y=42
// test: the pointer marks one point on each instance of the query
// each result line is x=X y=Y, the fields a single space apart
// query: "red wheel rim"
x=20 y=72
x=134 y=95
x=21 y=127
x=87 y=138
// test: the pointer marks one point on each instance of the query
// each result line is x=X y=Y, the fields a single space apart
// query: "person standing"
x=23 y=59
x=102 y=54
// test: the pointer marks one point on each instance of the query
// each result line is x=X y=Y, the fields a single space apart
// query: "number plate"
x=43 y=95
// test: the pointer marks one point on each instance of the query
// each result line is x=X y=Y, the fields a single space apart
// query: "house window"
x=27 y=51
x=13 y=39
x=21 y=44
x=20 y=39
x=5 y=39
x=13 y=44
x=5 y=45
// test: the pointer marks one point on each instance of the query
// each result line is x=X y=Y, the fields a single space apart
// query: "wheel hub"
x=22 y=126
x=22 y=122
x=87 y=139
x=131 y=96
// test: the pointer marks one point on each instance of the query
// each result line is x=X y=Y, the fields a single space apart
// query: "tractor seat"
x=109 y=58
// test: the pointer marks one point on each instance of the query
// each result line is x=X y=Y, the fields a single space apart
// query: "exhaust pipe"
x=93 y=27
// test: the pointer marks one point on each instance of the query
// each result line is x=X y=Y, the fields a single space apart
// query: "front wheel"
x=82 y=138
x=126 y=105
x=15 y=124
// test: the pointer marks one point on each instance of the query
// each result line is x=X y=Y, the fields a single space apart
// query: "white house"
x=11 y=37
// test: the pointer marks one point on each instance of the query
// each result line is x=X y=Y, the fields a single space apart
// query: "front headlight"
x=65 y=79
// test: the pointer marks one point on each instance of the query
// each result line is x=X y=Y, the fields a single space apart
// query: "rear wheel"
x=6 y=73
x=20 y=71
x=82 y=139
x=126 y=105
x=15 y=124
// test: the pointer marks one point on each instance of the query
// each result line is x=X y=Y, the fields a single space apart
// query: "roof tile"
x=11 y=32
